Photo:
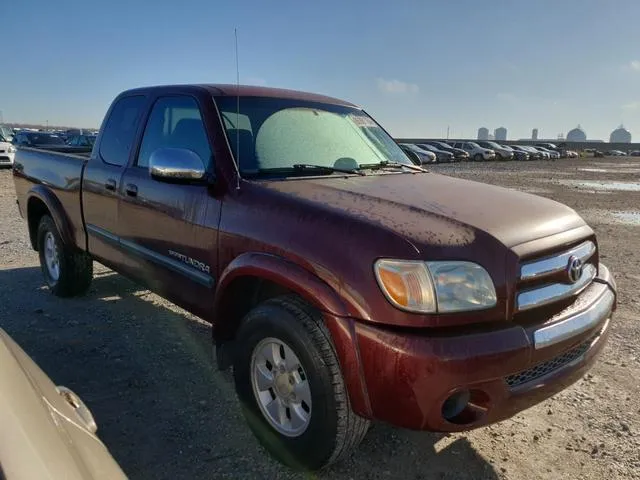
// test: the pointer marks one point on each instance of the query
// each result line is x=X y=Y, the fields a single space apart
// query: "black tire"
x=75 y=267
x=334 y=430
x=478 y=157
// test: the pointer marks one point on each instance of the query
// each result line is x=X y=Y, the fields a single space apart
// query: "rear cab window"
x=120 y=130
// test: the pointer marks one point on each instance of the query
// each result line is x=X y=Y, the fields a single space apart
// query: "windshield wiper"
x=385 y=164
x=325 y=168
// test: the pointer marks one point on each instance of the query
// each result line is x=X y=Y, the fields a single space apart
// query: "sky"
x=419 y=67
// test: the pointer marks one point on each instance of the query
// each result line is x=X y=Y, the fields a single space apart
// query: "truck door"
x=169 y=230
x=101 y=179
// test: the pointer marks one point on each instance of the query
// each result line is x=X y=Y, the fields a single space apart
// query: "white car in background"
x=475 y=151
x=7 y=150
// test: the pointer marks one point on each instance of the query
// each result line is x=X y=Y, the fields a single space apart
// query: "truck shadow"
x=145 y=369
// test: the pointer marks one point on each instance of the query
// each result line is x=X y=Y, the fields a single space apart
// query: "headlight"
x=435 y=287
x=12 y=149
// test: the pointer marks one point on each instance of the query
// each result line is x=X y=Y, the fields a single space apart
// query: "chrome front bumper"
x=594 y=306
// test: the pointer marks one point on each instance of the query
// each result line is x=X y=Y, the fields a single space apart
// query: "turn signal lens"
x=406 y=284
x=430 y=287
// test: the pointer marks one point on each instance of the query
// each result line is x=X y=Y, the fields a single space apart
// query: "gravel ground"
x=144 y=366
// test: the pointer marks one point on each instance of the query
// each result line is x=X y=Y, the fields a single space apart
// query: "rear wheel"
x=289 y=384
x=66 y=271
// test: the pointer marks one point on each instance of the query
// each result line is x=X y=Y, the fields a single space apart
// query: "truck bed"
x=62 y=175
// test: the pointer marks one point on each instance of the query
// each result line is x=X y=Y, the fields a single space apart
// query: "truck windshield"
x=274 y=134
x=6 y=134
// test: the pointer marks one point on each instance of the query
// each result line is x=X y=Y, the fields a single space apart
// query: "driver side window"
x=174 y=122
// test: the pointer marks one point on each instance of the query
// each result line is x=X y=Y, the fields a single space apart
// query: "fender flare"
x=59 y=216
x=286 y=273
x=337 y=311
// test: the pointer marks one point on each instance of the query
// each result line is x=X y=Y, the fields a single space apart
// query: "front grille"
x=546 y=281
x=544 y=368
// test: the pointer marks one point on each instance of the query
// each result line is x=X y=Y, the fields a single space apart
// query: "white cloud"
x=396 y=86
x=631 y=106
x=634 y=65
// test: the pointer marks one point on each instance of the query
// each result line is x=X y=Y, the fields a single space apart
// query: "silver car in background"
x=502 y=152
x=552 y=153
x=442 y=156
x=424 y=156
x=46 y=432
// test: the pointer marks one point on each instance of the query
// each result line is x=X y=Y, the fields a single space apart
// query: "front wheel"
x=478 y=157
x=290 y=387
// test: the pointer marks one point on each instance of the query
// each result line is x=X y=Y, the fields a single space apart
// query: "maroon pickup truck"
x=344 y=283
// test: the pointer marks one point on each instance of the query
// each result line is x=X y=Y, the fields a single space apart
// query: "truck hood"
x=432 y=209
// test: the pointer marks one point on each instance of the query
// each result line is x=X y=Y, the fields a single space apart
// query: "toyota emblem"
x=574 y=269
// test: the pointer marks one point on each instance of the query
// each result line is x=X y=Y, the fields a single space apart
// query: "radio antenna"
x=235 y=31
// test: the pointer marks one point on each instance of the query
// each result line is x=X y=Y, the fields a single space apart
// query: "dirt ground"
x=144 y=366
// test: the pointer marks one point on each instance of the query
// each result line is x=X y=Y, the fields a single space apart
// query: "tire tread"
x=351 y=427
x=76 y=270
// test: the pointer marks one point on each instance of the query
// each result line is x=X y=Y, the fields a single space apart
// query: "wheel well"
x=239 y=297
x=36 y=209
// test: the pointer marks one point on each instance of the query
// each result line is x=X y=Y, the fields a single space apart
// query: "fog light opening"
x=465 y=407
x=455 y=404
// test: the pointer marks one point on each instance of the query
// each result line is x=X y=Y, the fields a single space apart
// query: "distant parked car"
x=539 y=154
x=423 y=156
x=519 y=155
x=533 y=155
x=555 y=155
x=7 y=151
x=37 y=139
x=571 y=154
x=48 y=431
x=81 y=140
x=502 y=153
x=441 y=155
x=475 y=151
x=545 y=154
x=548 y=146
x=458 y=153
x=616 y=153
x=635 y=153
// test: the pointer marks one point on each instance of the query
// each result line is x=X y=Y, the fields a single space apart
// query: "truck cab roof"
x=230 y=90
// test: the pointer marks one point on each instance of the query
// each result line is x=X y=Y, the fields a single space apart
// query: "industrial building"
x=620 y=135
x=483 y=133
x=577 y=135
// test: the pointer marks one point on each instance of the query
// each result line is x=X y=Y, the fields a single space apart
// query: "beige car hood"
x=42 y=436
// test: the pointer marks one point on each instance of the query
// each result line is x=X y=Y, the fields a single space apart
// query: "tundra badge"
x=190 y=261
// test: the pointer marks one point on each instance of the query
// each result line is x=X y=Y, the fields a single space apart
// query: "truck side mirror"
x=176 y=164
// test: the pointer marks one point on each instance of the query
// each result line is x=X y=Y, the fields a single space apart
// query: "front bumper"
x=7 y=158
x=410 y=378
